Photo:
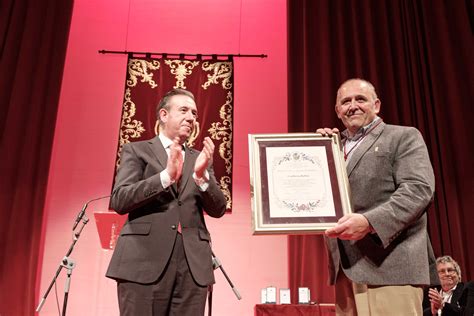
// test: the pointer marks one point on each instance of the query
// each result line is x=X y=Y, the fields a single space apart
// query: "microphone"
x=81 y=214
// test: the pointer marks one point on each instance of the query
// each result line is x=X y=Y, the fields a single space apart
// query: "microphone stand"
x=67 y=263
x=217 y=264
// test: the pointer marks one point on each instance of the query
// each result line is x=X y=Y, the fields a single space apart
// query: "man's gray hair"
x=449 y=259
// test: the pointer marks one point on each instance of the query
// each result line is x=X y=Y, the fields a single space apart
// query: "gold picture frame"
x=298 y=183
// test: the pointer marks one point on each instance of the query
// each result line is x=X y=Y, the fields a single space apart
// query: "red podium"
x=295 y=310
x=109 y=225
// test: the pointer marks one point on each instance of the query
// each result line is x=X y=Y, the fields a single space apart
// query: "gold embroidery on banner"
x=129 y=128
x=224 y=184
x=194 y=135
x=223 y=130
x=139 y=68
x=221 y=70
x=181 y=69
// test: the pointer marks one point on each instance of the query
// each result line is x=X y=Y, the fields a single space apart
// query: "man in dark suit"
x=450 y=298
x=467 y=299
x=379 y=254
x=162 y=261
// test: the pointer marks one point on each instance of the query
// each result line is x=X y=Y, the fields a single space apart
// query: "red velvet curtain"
x=211 y=81
x=33 y=40
x=418 y=56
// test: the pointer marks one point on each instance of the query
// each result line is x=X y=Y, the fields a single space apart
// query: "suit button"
x=173 y=227
x=180 y=203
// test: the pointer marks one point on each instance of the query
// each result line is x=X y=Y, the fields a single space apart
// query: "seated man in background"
x=451 y=297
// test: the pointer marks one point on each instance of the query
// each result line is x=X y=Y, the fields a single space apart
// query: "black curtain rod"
x=181 y=55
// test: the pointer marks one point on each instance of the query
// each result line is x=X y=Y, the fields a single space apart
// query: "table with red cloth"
x=295 y=310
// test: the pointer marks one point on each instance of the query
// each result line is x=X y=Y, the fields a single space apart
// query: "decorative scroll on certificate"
x=298 y=183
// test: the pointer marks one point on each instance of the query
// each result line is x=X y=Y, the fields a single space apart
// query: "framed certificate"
x=298 y=183
x=304 y=296
x=285 y=297
x=263 y=296
x=271 y=295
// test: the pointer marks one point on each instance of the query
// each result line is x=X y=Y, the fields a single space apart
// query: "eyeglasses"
x=447 y=271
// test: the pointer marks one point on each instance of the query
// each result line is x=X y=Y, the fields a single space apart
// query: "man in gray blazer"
x=162 y=261
x=379 y=254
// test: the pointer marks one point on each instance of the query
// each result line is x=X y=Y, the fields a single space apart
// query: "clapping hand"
x=174 y=167
x=204 y=160
x=436 y=301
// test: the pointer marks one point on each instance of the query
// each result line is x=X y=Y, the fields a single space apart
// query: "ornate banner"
x=211 y=82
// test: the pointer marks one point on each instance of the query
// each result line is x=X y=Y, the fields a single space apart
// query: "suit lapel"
x=162 y=157
x=457 y=292
x=189 y=160
x=363 y=147
x=157 y=148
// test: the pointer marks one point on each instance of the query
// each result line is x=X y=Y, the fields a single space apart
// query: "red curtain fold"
x=33 y=41
x=211 y=82
x=308 y=263
x=417 y=54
